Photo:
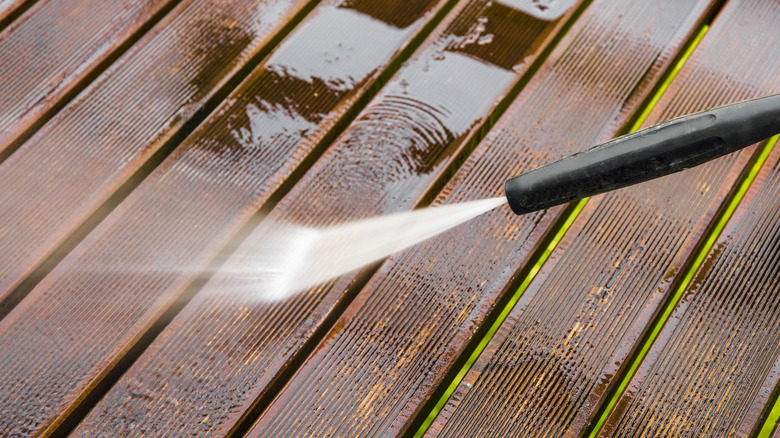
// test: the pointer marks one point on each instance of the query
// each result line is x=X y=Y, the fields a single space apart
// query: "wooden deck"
x=148 y=148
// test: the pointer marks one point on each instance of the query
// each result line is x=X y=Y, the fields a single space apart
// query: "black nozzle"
x=653 y=152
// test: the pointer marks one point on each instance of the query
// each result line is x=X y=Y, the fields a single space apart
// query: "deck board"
x=235 y=346
x=570 y=335
x=714 y=366
x=142 y=142
x=72 y=330
x=140 y=107
x=392 y=348
x=70 y=39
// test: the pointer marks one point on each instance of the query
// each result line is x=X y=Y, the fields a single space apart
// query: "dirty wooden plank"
x=235 y=347
x=568 y=338
x=62 y=343
x=140 y=106
x=55 y=48
x=715 y=364
x=395 y=344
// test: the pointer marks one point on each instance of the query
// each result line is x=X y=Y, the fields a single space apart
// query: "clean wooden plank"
x=569 y=338
x=377 y=369
x=222 y=358
x=64 y=341
x=53 y=50
x=139 y=107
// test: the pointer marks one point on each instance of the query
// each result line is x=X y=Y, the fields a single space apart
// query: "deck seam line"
x=18 y=12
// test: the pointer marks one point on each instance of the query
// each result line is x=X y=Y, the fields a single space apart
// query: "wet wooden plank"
x=222 y=357
x=567 y=340
x=140 y=106
x=62 y=343
x=53 y=50
x=386 y=356
x=716 y=362
x=714 y=366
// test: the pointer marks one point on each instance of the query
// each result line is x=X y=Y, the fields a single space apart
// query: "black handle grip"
x=653 y=152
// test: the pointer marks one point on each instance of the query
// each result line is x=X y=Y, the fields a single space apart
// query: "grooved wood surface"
x=547 y=370
x=226 y=350
x=61 y=175
x=49 y=51
x=69 y=333
x=153 y=154
x=394 y=344
x=714 y=366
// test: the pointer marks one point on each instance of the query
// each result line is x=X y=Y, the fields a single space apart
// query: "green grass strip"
x=690 y=271
x=771 y=421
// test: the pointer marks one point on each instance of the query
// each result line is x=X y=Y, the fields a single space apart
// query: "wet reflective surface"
x=58 y=178
x=384 y=162
x=540 y=9
x=397 y=340
x=132 y=268
x=365 y=352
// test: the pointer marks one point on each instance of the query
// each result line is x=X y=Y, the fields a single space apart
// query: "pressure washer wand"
x=653 y=152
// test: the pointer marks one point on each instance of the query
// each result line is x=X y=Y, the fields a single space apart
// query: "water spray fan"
x=659 y=150
x=304 y=257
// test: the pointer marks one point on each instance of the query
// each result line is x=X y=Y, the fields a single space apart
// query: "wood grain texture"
x=396 y=343
x=567 y=340
x=51 y=51
x=71 y=331
x=714 y=366
x=221 y=357
x=63 y=174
